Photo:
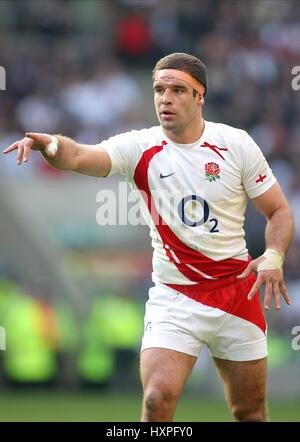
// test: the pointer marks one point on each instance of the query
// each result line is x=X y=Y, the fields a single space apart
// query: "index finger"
x=256 y=286
x=12 y=147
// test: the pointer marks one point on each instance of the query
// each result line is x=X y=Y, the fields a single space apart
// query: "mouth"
x=166 y=114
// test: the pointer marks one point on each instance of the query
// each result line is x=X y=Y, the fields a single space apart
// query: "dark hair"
x=186 y=63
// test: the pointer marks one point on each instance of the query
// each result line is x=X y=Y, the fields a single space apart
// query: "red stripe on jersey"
x=229 y=295
x=171 y=243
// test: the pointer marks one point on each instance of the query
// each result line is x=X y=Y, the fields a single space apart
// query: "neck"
x=188 y=135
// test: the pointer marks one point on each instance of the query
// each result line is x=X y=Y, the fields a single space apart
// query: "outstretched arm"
x=278 y=235
x=70 y=155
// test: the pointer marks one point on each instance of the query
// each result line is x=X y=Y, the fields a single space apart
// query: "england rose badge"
x=212 y=171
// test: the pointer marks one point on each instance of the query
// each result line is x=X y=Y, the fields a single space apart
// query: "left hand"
x=273 y=280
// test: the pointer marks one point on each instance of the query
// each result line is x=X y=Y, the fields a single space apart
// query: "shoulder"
x=140 y=138
x=242 y=150
x=148 y=135
x=239 y=143
x=225 y=133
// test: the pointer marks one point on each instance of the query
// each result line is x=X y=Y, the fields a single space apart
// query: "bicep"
x=92 y=160
x=270 y=201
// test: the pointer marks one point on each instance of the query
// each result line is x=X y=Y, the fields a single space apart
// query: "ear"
x=200 y=99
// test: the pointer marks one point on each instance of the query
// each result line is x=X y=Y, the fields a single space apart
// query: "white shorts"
x=176 y=322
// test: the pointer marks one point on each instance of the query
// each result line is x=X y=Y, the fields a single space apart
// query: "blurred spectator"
x=101 y=101
x=133 y=37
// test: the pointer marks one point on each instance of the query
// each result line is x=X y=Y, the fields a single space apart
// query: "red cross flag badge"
x=261 y=178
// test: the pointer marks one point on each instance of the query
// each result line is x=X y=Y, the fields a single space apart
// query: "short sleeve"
x=123 y=152
x=257 y=176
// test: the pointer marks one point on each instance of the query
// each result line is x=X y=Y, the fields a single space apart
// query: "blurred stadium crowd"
x=83 y=69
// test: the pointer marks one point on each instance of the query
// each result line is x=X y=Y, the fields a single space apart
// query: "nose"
x=166 y=97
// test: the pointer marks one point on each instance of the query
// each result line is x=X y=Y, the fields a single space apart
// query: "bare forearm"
x=280 y=230
x=67 y=153
x=63 y=153
x=82 y=158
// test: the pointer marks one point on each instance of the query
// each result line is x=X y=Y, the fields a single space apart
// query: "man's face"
x=175 y=104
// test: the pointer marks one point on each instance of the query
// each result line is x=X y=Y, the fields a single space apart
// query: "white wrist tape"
x=52 y=147
x=273 y=261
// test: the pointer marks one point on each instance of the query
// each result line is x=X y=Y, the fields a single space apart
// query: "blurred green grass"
x=95 y=407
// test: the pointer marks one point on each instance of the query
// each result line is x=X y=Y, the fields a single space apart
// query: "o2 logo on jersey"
x=190 y=205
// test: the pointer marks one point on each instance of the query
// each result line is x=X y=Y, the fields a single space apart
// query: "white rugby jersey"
x=193 y=196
